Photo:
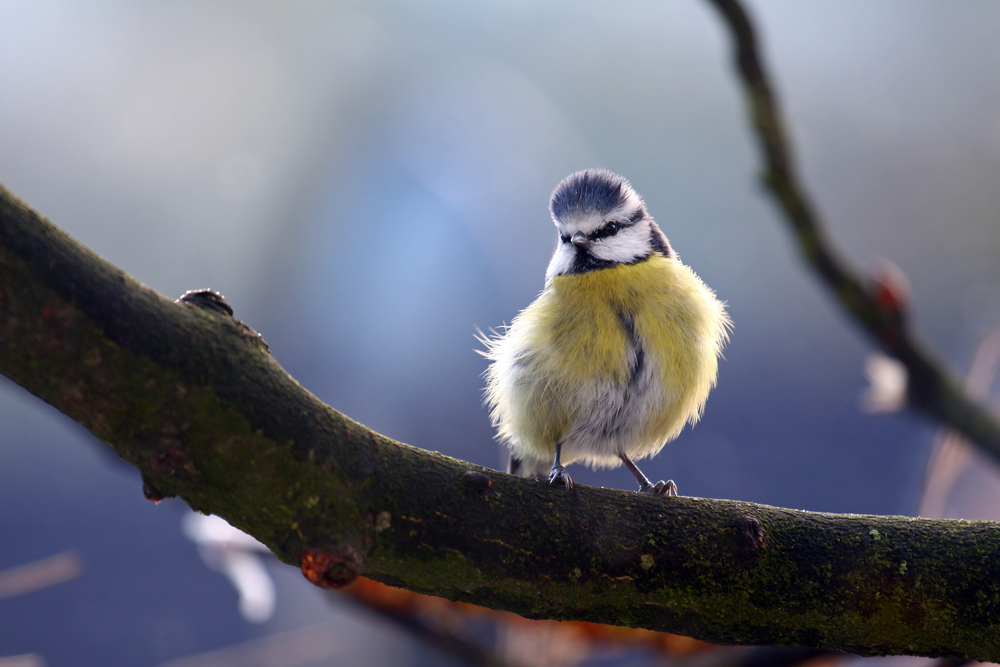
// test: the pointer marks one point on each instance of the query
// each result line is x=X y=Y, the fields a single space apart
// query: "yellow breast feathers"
x=610 y=361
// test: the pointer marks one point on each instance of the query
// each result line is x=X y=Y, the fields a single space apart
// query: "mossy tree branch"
x=193 y=399
x=878 y=306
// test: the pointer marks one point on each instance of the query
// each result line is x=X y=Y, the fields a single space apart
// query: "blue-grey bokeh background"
x=367 y=183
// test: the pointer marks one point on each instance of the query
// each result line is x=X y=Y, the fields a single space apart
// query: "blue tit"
x=618 y=352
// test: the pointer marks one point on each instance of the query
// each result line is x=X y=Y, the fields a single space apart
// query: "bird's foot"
x=558 y=476
x=661 y=488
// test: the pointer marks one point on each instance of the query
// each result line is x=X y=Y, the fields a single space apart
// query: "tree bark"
x=193 y=399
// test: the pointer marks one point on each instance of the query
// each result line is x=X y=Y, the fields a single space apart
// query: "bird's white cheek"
x=625 y=247
x=562 y=261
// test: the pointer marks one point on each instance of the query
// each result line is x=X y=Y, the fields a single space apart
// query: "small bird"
x=618 y=352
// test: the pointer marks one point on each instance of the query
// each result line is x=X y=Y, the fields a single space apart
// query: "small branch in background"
x=25 y=660
x=955 y=662
x=766 y=656
x=951 y=453
x=532 y=643
x=446 y=637
x=40 y=574
x=521 y=641
x=878 y=304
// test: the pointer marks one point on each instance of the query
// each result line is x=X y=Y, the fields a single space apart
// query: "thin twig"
x=951 y=453
x=452 y=643
x=775 y=656
x=879 y=306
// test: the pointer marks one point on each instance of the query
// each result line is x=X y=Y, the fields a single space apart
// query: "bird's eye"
x=611 y=228
x=564 y=238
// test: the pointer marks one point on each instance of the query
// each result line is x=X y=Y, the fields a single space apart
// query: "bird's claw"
x=661 y=488
x=558 y=476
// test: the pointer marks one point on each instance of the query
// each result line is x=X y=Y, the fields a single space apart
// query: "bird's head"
x=601 y=222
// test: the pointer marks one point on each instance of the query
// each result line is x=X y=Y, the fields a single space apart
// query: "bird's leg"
x=514 y=465
x=558 y=474
x=661 y=488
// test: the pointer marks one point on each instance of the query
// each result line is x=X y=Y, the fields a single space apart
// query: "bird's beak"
x=580 y=240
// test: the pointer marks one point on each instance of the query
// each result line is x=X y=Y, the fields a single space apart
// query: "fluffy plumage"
x=620 y=350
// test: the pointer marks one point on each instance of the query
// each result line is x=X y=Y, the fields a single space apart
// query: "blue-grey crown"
x=589 y=190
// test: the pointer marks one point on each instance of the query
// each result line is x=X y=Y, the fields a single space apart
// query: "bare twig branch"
x=445 y=640
x=951 y=453
x=40 y=574
x=879 y=308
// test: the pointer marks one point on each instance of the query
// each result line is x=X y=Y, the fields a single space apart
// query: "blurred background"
x=367 y=183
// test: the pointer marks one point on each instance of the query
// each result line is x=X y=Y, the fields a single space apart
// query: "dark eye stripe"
x=610 y=228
